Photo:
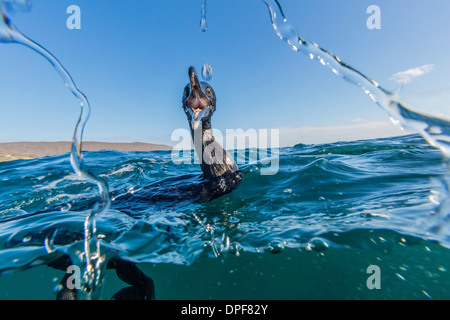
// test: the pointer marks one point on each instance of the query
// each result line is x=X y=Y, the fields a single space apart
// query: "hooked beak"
x=198 y=103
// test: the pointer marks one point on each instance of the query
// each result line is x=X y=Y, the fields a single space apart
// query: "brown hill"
x=28 y=150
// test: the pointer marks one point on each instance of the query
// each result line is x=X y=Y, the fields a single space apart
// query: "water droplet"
x=275 y=247
x=57 y=288
x=203 y=22
x=317 y=244
x=400 y=277
x=207 y=72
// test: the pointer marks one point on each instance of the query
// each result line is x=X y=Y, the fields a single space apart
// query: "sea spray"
x=10 y=34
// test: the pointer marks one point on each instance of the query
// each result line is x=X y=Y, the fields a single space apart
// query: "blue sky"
x=131 y=58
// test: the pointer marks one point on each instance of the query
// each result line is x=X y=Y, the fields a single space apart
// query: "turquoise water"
x=309 y=231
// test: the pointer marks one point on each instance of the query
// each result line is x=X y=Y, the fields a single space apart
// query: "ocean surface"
x=310 y=231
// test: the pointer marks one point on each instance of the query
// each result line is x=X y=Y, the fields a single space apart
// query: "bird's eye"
x=208 y=92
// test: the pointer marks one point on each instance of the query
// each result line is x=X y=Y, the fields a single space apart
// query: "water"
x=206 y=72
x=436 y=130
x=330 y=211
x=10 y=34
x=203 y=21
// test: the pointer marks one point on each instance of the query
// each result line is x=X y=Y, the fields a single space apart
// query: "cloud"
x=409 y=75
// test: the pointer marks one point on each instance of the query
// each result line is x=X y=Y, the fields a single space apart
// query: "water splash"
x=10 y=34
x=433 y=129
x=203 y=22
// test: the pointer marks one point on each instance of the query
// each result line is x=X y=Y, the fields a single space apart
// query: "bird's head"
x=199 y=100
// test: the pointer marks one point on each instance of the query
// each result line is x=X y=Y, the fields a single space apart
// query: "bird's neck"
x=214 y=159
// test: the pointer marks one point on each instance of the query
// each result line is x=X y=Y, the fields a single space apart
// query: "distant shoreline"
x=29 y=150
